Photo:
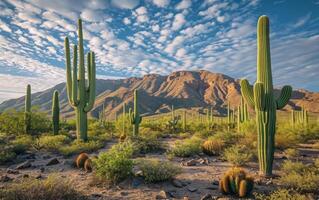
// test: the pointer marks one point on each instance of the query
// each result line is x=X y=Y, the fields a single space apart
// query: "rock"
x=224 y=198
x=24 y=165
x=206 y=197
x=96 y=195
x=284 y=157
x=201 y=161
x=25 y=176
x=136 y=182
x=38 y=176
x=177 y=183
x=191 y=188
x=5 y=178
x=61 y=170
x=12 y=171
x=269 y=182
x=184 y=183
x=138 y=173
x=42 y=169
x=215 y=182
x=191 y=162
x=161 y=195
x=123 y=193
x=53 y=161
x=258 y=181
x=46 y=157
x=185 y=198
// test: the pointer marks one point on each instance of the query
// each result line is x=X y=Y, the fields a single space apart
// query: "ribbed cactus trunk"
x=55 y=113
x=136 y=119
x=123 y=118
x=184 y=120
x=27 y=112
x=261 y=97
x=81 y=95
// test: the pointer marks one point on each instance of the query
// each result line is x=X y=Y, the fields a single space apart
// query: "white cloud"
x=161 y=3
x=184 y=4
x=141 y=14
x=141 y=11
x=181 y=53
x=4 y=27
x=126 y=21
x=179 y=21
x=302 y=21
x=92 y=15
x=125 y=4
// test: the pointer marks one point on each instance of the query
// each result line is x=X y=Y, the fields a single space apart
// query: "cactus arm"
x=68 y=70
x=91 y=88
x=247 y=92
x=259 y=97
x=74 y=82
x=284 y=97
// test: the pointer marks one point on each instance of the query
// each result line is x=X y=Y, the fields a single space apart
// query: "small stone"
x=284 y=157
x=38 y=176
x=53 y=161
x=25 y=176
x=206 y=197
x=123 y=193
x=215 y=182
x=139 y=173
x=24 y=165
x=97 y=195
x=161 y=195
x=5 y=178
x=201 y=161
x=191 y=162
x=185 y=198
x=12 y=171
x=177 y=183
x=191 y=188
x=269 y=182
x=136 y=182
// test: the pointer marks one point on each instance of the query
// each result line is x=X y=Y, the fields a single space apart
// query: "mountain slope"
x=187 y=89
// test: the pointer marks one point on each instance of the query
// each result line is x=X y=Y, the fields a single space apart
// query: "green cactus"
x=184 y=120
x=55 y=112
x=136 y=119
x=81 y=94
x=299 y=117
x=27 y=112
x=261 y=97
x=242 y=113
x=124 y=118
x=172 y=124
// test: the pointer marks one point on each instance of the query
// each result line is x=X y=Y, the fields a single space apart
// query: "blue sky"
x=136 y=37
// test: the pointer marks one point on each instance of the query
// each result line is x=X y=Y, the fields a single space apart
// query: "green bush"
x=282 y=194
x=238 y=155
x=52 y=188
x=146 y=144
x=186 y=148
x=52 y=142
x=155 y=170
x=115 y=164
x=6 y=155
x=299 y=176
x=291 y=153
x=21 y=143
x=77 y=147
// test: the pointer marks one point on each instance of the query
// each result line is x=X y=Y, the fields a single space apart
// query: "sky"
x=138 y=37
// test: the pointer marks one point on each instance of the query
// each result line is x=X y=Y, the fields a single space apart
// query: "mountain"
x=183 y=89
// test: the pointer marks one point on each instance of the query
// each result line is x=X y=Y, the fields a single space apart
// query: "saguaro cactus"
x=55 y=112
x=261 y=97
x=172 y=124
x=184 y=120
x=136 y=119
x=81 y=95
x=123 y=118
x=27 y=112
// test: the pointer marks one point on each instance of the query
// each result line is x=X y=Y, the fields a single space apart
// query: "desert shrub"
x=6 y=154
x=118 y=124
x=238 y=155
x=284 y=141
x=115 y=164
x=213 y=146
x=21 y=143
x=282 y=194
x=204 y=133
x=155 y=170
x=301 y=177
x=52 y=188
x=291 y=153
x=79 y=146
x=227 y=136
x=144 y=144
x=52 y=142
x=186 y=148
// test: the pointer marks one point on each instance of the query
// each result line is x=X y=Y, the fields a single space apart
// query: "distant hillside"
x=187 y=89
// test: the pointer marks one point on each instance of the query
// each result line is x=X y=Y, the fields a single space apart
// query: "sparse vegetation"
x=187 y=147
x=238 y=155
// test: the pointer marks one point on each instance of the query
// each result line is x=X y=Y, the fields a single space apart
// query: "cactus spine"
x=27 y=112
x=136 y=119
x=261 y=97
x=55 y=112
x=81 y=97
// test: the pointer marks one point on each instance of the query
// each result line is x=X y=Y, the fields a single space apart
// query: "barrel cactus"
x=261 y=97
x=81 y=93
x=235 y=181
x=212 y=147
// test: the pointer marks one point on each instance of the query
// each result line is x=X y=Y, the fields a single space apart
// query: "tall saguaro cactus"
x=261 y=97
x=27 y=112
x=136 y=119
x=55 y=112
x=81 y=95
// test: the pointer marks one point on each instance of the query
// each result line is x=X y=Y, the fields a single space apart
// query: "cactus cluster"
x=81 y=93
x=299 y=117
x=55 y=112
x=172 y=124
x=83 y=161
x=210 y=118
x=135 y=117
x=230 y=117
x=27 y=111
x=184 y=120
x=235 y=181
x=242 y=113
x=261 y=97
